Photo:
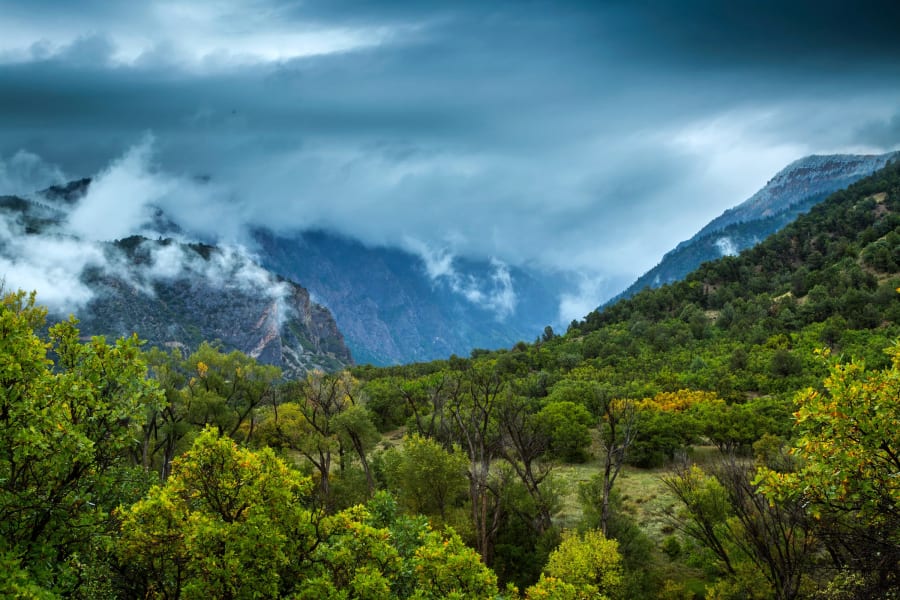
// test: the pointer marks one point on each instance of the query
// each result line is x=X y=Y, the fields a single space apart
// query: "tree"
x=208 y=387
x=426 y=397
x=665 y=424
x=705 y=511
x=446 y=568
x=66 y=433
x=234 y=523
x=224 y=390
x=356 y=430
x=726 y=513
x=324 y=417
x=617 y=432
x=565 y=425
x=848 y=446
x=583 y=567
x=525 y=441
x=426 y=478
x=473 y=411
x=228 y=523
x=166 y=425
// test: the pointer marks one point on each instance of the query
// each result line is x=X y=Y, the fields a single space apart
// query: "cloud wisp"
x=495 y=293
x=50 y=264
x=55 y=246
x=24 y=173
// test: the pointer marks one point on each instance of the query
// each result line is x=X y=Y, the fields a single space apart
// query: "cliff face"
x=171 y=294
x=271 y=319
x=392 y=311
x=791 y=192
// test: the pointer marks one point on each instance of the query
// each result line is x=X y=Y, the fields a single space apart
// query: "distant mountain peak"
x=810 y=176
x=792 y=191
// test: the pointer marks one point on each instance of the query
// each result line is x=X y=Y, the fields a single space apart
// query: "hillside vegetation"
x=734 y=435
x=790 y=193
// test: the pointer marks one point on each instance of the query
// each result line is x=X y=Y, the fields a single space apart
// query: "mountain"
x=838 y=264
x=171 y=294
x=793 y=191
x=394 y=308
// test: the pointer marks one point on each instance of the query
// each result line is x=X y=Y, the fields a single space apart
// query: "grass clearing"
x=645 y=497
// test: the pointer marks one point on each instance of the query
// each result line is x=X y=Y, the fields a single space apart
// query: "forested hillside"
x=734 y=435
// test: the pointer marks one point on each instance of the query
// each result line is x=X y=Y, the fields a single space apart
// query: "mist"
x=70 y=240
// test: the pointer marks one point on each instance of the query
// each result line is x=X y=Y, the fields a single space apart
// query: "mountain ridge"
x=792 y=191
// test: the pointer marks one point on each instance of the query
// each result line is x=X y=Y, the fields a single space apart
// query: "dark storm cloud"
x=883 y=132
x=591 y=136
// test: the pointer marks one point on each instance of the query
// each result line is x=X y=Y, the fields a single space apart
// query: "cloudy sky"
x=588 y=136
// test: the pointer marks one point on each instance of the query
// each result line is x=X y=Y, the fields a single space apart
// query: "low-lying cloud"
x=726 y=246
x=49 y=264
x=495 y=293
x=128 y=197
x=65 y=241
x=124 y=197
x=589 y=293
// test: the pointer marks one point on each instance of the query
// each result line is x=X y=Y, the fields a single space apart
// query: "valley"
x=670 y=436
x=471 y=300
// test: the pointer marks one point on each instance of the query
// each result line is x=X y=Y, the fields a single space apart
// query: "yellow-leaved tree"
x=583 y=567
x=848 y=447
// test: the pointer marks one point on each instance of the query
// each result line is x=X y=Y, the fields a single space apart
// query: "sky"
x=579 y=137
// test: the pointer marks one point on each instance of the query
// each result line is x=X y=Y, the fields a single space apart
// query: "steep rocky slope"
x=171 y=294
x=393 y=311
x=793 y=191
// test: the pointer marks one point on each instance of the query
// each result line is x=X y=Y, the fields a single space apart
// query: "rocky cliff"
x=392 y=310
x=171 y=294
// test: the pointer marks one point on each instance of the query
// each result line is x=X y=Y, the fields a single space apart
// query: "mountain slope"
x=716 y=358
x=393 y=311
x=793 y=191
x=838 y=263
x=169 y=293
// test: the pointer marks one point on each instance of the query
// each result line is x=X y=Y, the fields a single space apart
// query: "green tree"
x=224 y=390
x=525 y=441
x=583 y=567
x=228 y=523
x=324 y=419
x=446 y=568
x=473 y=410
x=617 y=432
x=209 y=387
x=848 y=446
x=426 y=478
x=67 y=430
x=566 y=425
x=234 y=523
x=764 y=549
